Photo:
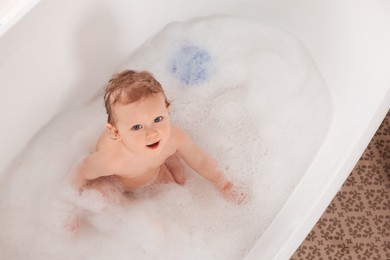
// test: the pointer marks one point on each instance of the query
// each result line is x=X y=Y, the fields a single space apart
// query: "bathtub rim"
x=19 y=12
x=313 y=207
x=286 y=248
x=370 y=103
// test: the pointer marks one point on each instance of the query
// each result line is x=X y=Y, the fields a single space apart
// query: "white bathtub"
x=46 y=55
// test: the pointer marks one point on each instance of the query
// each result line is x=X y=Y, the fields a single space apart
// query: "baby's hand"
x=235 y=194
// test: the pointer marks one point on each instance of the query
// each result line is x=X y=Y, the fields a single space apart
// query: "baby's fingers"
x=237 y=194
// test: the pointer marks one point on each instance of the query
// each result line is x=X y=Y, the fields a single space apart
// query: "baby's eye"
x=158 y=119
x=136 y=127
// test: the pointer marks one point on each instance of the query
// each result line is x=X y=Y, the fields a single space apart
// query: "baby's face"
x=144 y=126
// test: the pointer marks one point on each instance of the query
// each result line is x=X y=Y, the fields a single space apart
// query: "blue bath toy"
x=192 y=65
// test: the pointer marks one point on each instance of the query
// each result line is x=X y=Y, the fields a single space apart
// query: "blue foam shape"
x=192 y=65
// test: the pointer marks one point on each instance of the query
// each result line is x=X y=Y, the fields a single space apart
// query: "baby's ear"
x=113 y=131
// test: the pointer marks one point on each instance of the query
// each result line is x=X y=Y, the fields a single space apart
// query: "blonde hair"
x=129 y=86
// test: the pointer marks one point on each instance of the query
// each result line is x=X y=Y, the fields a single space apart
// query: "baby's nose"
x=151 y=132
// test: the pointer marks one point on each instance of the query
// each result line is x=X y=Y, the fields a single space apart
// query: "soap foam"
x=257 y=104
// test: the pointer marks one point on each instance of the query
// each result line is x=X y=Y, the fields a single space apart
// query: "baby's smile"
x=153 y=145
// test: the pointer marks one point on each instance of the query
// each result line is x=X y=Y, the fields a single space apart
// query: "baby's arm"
x=200 y=161
x=81 y=174
x=207 y=167
x=92 y=167
x=95 y=165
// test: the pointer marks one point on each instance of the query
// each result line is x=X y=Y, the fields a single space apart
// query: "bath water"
x=248 y=93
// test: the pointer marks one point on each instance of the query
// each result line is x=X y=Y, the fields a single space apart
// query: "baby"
x=141 y=146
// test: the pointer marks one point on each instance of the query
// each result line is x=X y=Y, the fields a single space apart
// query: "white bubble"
x=261 y=112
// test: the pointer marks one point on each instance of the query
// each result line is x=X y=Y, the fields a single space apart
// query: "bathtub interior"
x=359 y=92
x=61 y=41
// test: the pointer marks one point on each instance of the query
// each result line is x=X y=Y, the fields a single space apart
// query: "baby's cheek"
x=135 y=137
x=165 y=129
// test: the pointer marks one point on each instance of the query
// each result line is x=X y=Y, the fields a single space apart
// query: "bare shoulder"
x=181 y=138
x=179 y=135
x=104 y=142
x=102 y=161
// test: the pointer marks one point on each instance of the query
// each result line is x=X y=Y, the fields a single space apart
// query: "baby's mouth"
x=153 y=145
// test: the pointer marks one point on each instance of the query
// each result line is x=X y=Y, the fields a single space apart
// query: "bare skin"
x=143 y=146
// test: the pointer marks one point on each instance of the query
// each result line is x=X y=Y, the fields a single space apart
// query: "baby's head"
x=127 y=87
x=137 y=111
